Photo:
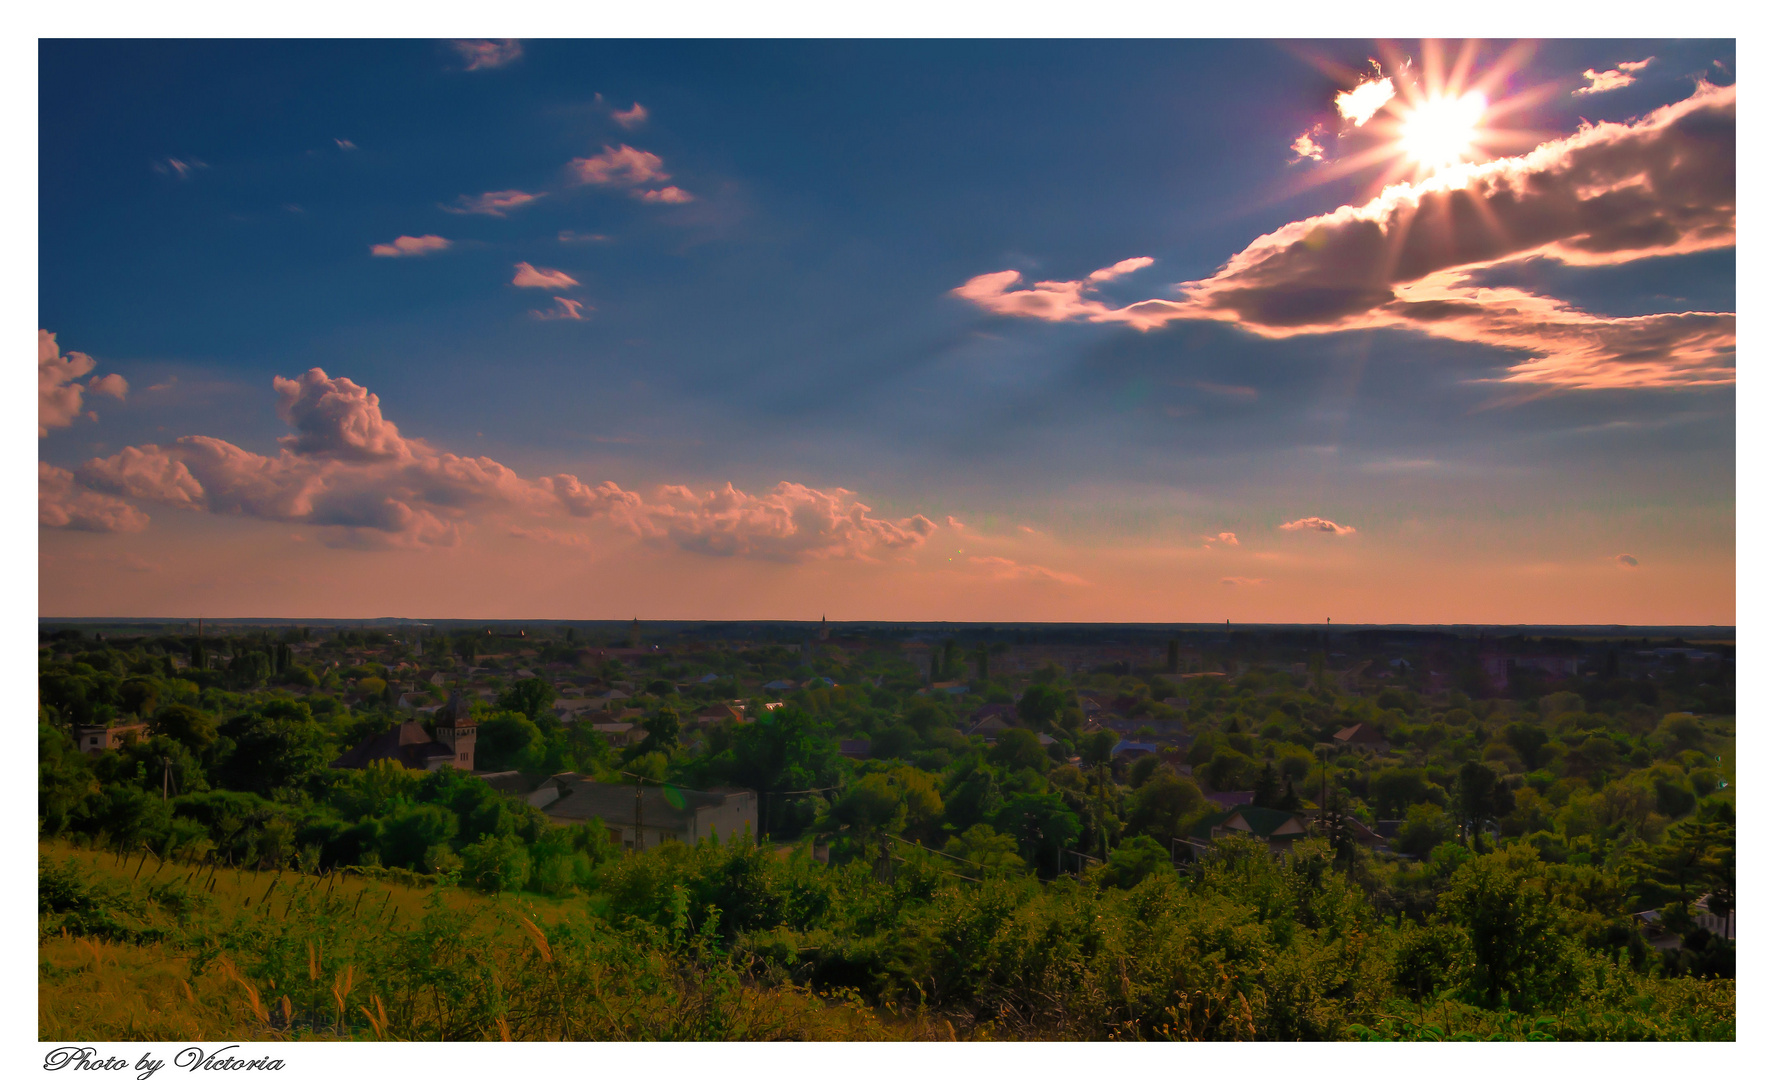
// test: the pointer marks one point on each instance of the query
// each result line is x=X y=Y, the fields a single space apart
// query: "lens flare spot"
x=1442 y=130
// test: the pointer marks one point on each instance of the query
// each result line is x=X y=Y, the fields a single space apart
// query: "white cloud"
x=1622 y=75
x=60 y=505
x=1359 y=105
x=622 y=166
x=563 y=309
x=672 y=194
x=60 y=397
x=1306 y=148
x=110 y=385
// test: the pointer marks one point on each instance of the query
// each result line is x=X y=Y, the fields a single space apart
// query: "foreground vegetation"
x=215 y=879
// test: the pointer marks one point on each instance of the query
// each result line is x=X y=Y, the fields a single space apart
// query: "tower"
x=825 y=631
x=456 y=730
x=634 y=633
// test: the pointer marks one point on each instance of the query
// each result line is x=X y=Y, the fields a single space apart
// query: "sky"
x=1167 y=331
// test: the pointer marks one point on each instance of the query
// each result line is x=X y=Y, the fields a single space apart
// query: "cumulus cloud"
x=345 y=144
x=563 y=309
x=531 y=278
x=1317 y=524
x=403 y=246
x=61 y=505
x=1611 y=193
x=632 y=117
x=1000 y=568
x=348 y=469
x=1244 y=581
x=110 y=385
x=551 y=536
x=1306 y=148
x=1358 y=105
x=492 y=203
x=1226 y=538
x=622 y=166
x=484 y=53
x=568 y=236
x=60 y=397
x=671 y=194
x=1626 y=562
x=1600 y=82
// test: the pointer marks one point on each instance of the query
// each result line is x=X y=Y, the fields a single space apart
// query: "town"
x=595 y=764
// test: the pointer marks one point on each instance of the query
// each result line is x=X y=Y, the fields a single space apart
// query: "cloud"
x=60 y=505
x=485 y=53
x=347 y=469
x=493 y=203
x=1054 y=301
x=1318 y=524
x=632 y=117
x=60 y=398
x=531 y=278
x=409 y=245
x=1359 y=105
x=1306 y=147
x=110 y=385
x=1244 y=581
x=550 y=536
x=336 y=418
x=563 y=309
x=568 y=236
x=1226 y=538
x=1610 y=194
x=623 y=166
x=1614 y=79
x=1003 y=569
x=345 y=144
x=178 y=167
x=1626 y=562
x=672 y=194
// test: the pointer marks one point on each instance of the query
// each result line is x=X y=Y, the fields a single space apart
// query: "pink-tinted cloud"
x=1600 y=82
x=1244 y=581
x=479 y=54
x=1318 y=524
x=110 y=386
x=347 y=469
x=182 y=168
x=551 y=536
x=336 y=418
x=404 y=246
x=60 y=397
x=345 y=144
x=531 y=278
x=1000 y=568
x=563 y=309
x=671 y=194
x=1626 y=562
x=632 y=117
x=1611 y=193
x=61 y=505
x=623 y=166
x=1358 y=105
x=492 y=203
x=1226 y=538
x=568 y=236
x=1055 y=301
x=1306 y=147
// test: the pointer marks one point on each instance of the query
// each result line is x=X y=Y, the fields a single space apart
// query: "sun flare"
x=1442 y=131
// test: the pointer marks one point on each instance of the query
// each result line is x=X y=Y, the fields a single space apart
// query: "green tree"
x=187 y=725
x=276 y=745
x=1019 y=748
x=990 y=850
x=1137 y=858
x=532 y=697
x=1519 y=959
x=1040 y=706
x=1043 y=826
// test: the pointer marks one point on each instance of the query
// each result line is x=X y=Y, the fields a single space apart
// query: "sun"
x=1442 y=130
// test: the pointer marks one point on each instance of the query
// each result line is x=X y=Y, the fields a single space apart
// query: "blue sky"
x=792 y=317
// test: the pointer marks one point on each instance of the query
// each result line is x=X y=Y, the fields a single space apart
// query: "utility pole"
x=1102 y=824
x=637 y=814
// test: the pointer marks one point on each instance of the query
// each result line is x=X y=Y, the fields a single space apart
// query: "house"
x=818 y=681
x=781 y=684
x=660 y=815
x=857 y=749
x=990 y=727
x=568 y=710
x=1132 y=751
x=1362 y=737
x=1277 y=827
x=1000 y=710
x=451 y=743
x=710 y=715
x=97 y=738
x=621 y=734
